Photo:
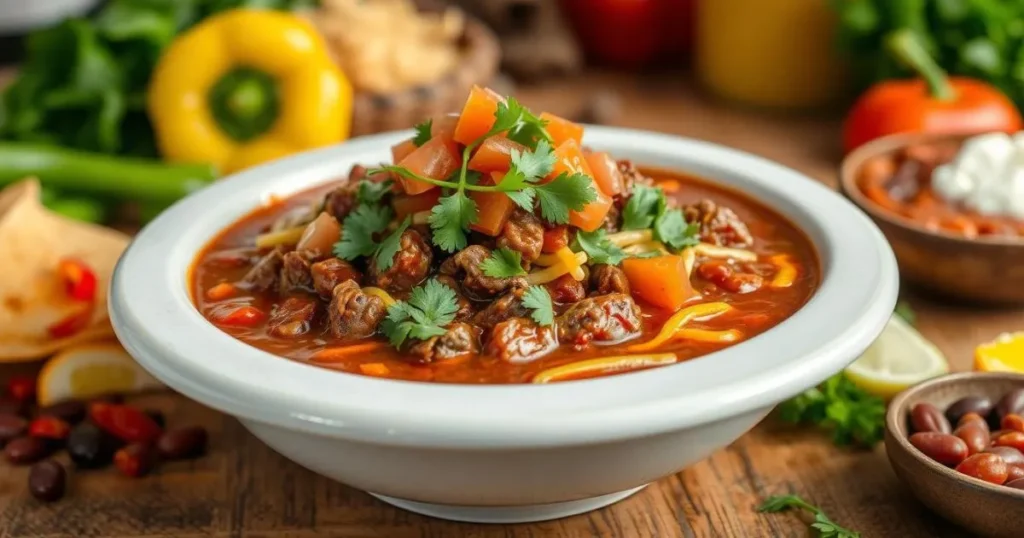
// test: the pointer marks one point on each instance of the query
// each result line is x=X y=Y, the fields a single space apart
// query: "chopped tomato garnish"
x=72 y=323
x=555 y=238
x=79 y=280
x=242 y=316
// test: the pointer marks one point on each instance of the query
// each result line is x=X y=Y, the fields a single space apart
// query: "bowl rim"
x=853 y=161
x=156 y=321
x=897 y=412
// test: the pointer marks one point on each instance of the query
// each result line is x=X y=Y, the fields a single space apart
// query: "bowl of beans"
x=957 y=442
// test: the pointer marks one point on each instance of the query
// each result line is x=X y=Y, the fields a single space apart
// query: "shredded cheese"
x=631 y=237
x=706 y=335
x=671 y=328
x=603 y=365
x=715 y=251
x=285 y=237
x=689 y=260
x=786 y=274
x=568 y=259
x=643 y=248
x=383 y=295
x=554 y=271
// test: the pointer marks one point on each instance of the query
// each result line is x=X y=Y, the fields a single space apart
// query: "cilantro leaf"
x=672 y=229
x=429 y=309
x=837 y=405
x=644 y=205
x=566 y=192
x=826 y=527
x=504 y=262
x=534 y=164
x=537 y=299
x=513 y=181
x=450 y=219
x=387 y=249
x=529 y=132
x=598 y=248
x=523 y=198
x=507 y=115
x=372 y=192
x=359 y=229
x=423 y=132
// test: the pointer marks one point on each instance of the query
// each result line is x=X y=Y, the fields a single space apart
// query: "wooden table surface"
x=245 y=489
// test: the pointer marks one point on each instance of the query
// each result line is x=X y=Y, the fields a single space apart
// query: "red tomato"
x=631 y=33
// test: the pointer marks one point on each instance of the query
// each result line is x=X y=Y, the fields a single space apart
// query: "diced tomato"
x=72 y=323
x=402 y=150
x=477 y=115
x=79 y=280
x=661 y=281
x=494 y=155
x=562 y=129
x=241 y=316
x=492 y=208
x=569 y=159
x=555 y=238
x=405 y=204
x=437 y=159
x=606 y=172
x=592 y=215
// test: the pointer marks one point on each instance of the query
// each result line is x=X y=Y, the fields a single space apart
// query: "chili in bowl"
x=462 y=368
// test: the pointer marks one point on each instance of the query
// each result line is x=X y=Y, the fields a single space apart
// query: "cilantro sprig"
x=360 y=230
x=423 y=130
x=503 y=263
x=538 y=300
x=598 y=248
x=648 y=208
x=825 y=527
x=851 y=414
x=430 y=308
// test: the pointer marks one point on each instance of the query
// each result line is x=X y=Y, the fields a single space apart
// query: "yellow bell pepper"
x=247 y=86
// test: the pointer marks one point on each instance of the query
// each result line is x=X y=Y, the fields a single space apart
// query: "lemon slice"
x=90 y=370
x=1004 y=354
x=899 y=358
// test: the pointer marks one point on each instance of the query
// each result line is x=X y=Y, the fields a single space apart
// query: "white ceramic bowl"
x=504 y=453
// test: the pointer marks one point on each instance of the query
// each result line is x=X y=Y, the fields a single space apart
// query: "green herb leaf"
x=523 y=198
x=385 y=255
x=535 y=164
x=450 y=220
x=503 y=263
x=359 y=230
x=598 y=248
x=372 y=192
x=430 y=308
x=644 y=205
x=566 y=192
x=825 y=527
x=507 y=115
x=538 y=300
x=423 y=132
x=672 y=229
x=513 y=181
x=852 y=415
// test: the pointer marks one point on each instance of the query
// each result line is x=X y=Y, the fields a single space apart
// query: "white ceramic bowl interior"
x=504 y=453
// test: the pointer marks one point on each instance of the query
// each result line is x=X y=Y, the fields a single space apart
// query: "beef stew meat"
x=511 y=295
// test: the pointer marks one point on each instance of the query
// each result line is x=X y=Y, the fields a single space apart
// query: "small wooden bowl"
x=976 y=505
x=983 y=270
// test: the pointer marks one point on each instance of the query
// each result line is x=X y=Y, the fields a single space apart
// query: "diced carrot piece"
x=606 y=172
x=592 y=215
x=221 y=291
x=405 y=204
x=243 y=316
x=492 y=209
x=437 y=159
x=375 y=369
x=494 y=155
x=555 y=238
x=562 y=129
x=668 y=185
x=477 y=115
x=569 y=159
x=444 y=125
x=402 y=150
x=661 y=281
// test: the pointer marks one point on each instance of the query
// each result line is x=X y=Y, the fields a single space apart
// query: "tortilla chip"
x=32 y=298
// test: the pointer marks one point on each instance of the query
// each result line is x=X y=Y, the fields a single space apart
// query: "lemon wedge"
x=1004 y=354
x=899 y=358
x=89 y=370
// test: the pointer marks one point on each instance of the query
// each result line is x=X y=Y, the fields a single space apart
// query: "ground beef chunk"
x=605 y=279
x=612 y=221
x=466 y=309
x=718 y=225
x=724 y=276
x=295 y=274
x=523 y=232
x=520 y=340
x=606 y=318
x=565 y=289
x=465 y=267
x=327 y=274
x=357 y=173
x=630 y=176
x=292 y=318
x=409 y=267
x=341 y=201
x=263 y=275
x=353 y=314
x=507 y=306
x=459 y=339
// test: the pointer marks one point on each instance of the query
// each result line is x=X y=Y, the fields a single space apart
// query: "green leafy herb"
x=450 y=219
x=538 y=300
x=837 y=405
x=372 y=192
x=423 y=132
x=825 y=527
x=503 y=263
x=359 y=231
x=644 y=205
x=905 y=311
x=385 y=254
x=519 y=123
x=430 y=308
x=535 y=164
x=672 y=229
x=598 y=248
x=565 y=192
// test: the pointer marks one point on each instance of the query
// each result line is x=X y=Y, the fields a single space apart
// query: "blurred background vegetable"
x=633 y=33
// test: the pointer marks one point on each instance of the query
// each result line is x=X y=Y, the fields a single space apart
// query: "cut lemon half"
x=899 y=358
x=1004 y=354
x=90 y=370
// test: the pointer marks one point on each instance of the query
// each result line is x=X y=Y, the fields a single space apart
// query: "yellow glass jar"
x=772 y=53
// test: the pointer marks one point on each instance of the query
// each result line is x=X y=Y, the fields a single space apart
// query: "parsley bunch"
x=852 y=415
x=825 y=527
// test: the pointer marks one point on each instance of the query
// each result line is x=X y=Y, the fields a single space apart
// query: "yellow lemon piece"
x=90 y=370
x=899 y=358
x=1004 y=354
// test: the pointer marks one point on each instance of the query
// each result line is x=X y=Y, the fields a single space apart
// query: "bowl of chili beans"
x=637 y=302
x=945 y=241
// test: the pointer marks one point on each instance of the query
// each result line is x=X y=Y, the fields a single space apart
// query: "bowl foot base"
x=509 y=514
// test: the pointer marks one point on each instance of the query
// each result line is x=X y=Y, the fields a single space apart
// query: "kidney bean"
x=968 y=404
x=974 y=435
x=90 y=447
x=124 y=422
x=1011 y=402
x=22 y=388
x=925 y=417
x=11 y=426
x=1016 y=484
x=1010 y=455
x=137 y=459
x=984 y=466
x=1011 y=439
x=182 y=443
x=47 y=481
x=1012 y=422
x=49 y=428
x=941 y=447
x=157 y=417
x=973 y=417
x=70 y=411
x=24 y=450
x=1014 y=472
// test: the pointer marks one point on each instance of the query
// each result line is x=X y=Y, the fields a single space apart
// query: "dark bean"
x=987 y=467
x=71 y=411
x=136 y=459
x=25 y=450
x=1011 y=402
x=1008 y=453
x=941 y=447
x=974 y=435
x=157 y=417
x=1013 y=422
x=47 y=480
x=182 y=443
x=1014 y=472
x=968 y=404
x=1016 y=484
x=925 y=417
x=11 y=426
x=973 y=417
x=90 y=447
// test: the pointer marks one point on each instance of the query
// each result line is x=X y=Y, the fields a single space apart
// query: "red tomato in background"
x=631 y=33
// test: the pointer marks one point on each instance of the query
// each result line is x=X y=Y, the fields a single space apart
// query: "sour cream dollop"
x=987 y=175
